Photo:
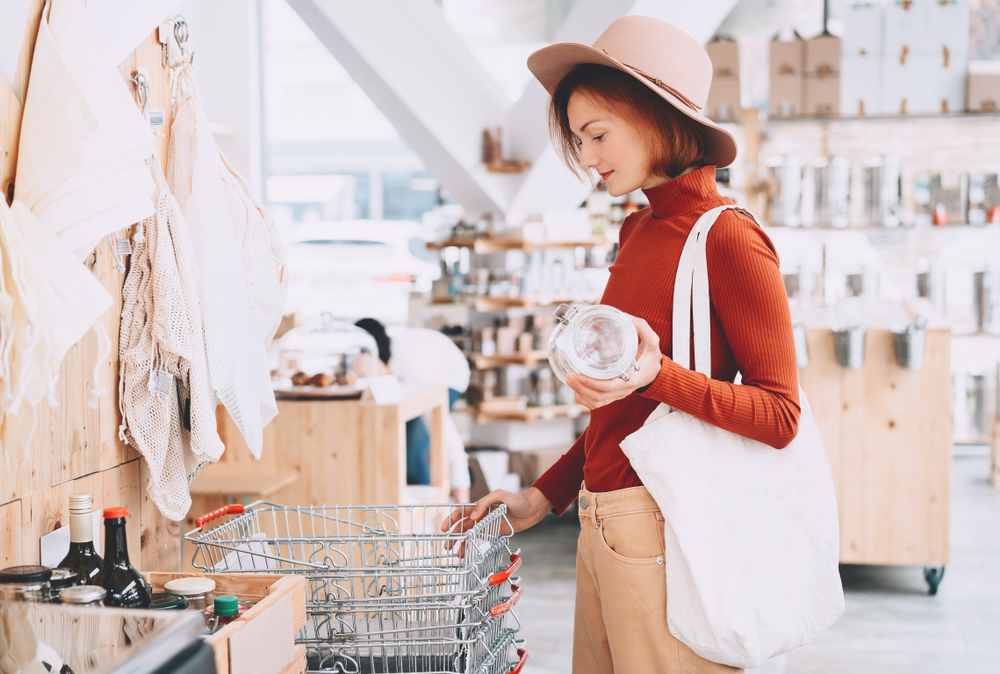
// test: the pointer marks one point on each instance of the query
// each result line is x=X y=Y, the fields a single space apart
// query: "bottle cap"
x=226 y=606
x=165 y=601
x=114 y=513
x=82 y=594
x=63 y=578
x=25 y=574
x=81 y=504
x=190 y=587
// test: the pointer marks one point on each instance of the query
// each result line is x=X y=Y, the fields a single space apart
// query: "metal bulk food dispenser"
x=597 y=341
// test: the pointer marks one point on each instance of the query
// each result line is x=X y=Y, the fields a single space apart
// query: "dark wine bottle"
x=126 y=586
x=82 y=556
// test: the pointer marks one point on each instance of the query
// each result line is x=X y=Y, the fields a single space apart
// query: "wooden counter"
x=887 y=432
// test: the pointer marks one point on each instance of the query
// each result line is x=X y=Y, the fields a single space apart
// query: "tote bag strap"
x=691 y=290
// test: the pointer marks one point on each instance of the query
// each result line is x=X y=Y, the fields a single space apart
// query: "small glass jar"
x=167 y=601
x=225 y=610
x=198 y=591
x=60 y=580
x=597 y=341
x=25 y=583
x=83 y=595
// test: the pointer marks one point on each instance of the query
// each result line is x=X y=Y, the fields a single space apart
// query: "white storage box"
x=905 y=27
x=946 y=75
x=904 y=85
x=861 y=85
x=863 y=29
x=947 y=25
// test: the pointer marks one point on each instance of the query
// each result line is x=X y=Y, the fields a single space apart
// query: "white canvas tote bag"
x=751 y=533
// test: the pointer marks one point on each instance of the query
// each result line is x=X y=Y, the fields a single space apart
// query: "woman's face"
x=610 y=145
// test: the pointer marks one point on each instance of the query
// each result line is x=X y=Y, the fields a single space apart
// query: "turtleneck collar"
x=682 y=194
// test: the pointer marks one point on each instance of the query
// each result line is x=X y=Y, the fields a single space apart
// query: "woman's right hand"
x=523 y=510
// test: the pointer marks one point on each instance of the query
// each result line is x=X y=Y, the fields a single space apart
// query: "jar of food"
x=60 y=580
x=225 y=610
x=83 y=595
x=198 y=591
x=167 y=601
x=25 y=583
x=597 y=341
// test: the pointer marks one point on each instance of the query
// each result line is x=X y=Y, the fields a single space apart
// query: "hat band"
x=660 y=83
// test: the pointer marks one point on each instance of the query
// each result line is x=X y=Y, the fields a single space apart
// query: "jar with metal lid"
x=198 y=591
x=83 y=595
x=597 y=341
x=25 y=583
x=60 y=580
x=167 y=601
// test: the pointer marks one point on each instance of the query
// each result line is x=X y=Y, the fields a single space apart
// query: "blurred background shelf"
x=489 y=244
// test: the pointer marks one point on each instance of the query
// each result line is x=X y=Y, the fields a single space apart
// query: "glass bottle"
x=126 y=586
x=82 y=556
x=225 y=610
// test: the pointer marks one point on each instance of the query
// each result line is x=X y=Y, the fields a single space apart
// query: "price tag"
x=163 y=382
x=123 y=247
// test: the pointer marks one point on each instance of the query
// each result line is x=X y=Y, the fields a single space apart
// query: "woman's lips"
x=604 y=176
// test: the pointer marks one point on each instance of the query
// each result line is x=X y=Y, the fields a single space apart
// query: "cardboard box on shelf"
x=904 y=85
x=724 y=100
x=946 y=73
x=786 y=95
x=822 y=56
x=822 y=96
x=787 y=57
x=905 y=26
x=947 y=25
x=860 y=86
x=725 y=55
x=983 y=89
x=863 y=28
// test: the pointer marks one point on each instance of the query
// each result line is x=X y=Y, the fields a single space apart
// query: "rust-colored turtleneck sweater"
x=751 y=334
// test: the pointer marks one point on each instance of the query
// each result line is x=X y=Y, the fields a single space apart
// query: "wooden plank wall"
x=76 y=448
x=887 y=433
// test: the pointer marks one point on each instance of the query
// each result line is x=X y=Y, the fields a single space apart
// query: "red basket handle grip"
x=504 y=576
x=235 y=509
x=523 y=658
x=500 y=609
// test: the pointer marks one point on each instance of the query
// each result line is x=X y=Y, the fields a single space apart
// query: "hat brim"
x=551 y=64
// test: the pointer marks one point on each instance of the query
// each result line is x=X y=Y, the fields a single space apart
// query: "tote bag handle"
x=691 y=290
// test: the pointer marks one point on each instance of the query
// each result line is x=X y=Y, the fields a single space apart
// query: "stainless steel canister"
x=883 y=191
x=786 y=175
x=911 y=345
x=850 y=344
x=982 y=299
x=832 y=185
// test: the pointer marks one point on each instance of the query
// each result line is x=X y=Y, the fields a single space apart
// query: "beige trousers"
x=621 y=591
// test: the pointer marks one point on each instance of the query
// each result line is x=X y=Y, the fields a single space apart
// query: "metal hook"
x=181 y=33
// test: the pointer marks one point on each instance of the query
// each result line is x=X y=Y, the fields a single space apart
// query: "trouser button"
x=584 y=502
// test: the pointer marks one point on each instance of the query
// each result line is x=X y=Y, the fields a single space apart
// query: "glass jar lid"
x=25 y=574
x=82 y=594
x=63 y=578
x=166 y=601
x=190 y=587
x=597 y=341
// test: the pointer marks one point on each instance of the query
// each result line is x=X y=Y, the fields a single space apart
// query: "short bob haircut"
x=673 y=141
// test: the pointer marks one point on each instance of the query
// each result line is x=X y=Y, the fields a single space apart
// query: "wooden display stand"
x=887 y=432
x=343 y=452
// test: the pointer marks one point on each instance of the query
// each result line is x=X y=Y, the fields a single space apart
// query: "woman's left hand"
x=594 y=393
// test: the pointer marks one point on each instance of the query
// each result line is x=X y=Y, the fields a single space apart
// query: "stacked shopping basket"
x=387 y=591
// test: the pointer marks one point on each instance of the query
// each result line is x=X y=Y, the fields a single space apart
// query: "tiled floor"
x=890 y=625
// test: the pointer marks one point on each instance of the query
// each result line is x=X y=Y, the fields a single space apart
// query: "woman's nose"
x=588 y=158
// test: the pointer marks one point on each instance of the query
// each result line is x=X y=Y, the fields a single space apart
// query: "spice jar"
x=60 y=580
x=225 y=610
x=83 y=595
x=597 y=341
x=25 y=583
x=197 y=591
x=166 y=601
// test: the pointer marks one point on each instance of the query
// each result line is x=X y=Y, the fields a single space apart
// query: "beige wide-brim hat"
x=661 y=56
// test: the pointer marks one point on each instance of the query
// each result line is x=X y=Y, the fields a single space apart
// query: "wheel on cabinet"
x=933 y=575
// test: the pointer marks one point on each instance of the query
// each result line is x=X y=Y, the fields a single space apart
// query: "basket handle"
x=522 y=658
x=500 y=609
x=232 y=509
x=504 y=576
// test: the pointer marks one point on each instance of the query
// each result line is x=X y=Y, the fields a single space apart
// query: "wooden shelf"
x=487 y=303
x=497 y=244
x=530 y=359
x=531 y=414
x=260 y=486
x=806 y=119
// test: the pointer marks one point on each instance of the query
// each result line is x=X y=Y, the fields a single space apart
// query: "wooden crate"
x=239 y=648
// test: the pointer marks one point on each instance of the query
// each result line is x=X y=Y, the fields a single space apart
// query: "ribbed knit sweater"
x=751 y=334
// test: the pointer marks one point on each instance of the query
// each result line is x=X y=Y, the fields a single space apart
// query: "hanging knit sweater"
x=751 y=334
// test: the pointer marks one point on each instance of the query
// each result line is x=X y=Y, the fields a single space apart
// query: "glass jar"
x=60 y=580
x=25 y=583
x=197 y=591
x=167 y=601
x=83 y=595
x=225 y=610
x=597 y=341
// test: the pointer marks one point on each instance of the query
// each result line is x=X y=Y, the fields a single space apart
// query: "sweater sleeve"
x=561 y=483
x=748 y=298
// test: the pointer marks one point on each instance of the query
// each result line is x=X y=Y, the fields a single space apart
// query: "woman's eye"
x=598 y=137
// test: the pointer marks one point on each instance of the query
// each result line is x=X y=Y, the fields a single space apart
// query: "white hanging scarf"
x=242 y=263
x=83 y=148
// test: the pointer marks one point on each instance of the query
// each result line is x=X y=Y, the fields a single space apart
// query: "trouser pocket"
x=634 y=538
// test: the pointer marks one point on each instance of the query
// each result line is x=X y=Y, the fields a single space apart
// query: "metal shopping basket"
x=387 y=591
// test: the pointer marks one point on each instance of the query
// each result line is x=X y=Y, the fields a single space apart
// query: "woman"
x=630 y=109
